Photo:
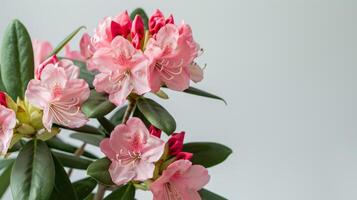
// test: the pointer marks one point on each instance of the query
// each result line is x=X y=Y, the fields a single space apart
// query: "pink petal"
x=196 y=72
x=144 y=171
x=37 y=94
x=41 y=50
x=121 y=174
x=106 y=148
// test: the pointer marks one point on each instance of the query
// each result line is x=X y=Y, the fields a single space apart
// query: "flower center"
x=126 y=157
x=117 y=81
x=167 y=72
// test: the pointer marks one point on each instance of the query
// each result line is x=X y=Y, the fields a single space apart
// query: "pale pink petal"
x=74 y=55
x=153 y=149
x=78 y=89
x=168 y=36
x=106 y=148
x=144 y=171
x=7 y=123
x=47 y=119
x=38 y=94
x=139 y=77
x=120 y=137
x=196 y=73
x=71 y=70
x=85 y=46
x=103 y=61
x=53 y=76
x=41 y=50
x=193 y=178
x=179 y=82
x=119 y=97
x=121 y=174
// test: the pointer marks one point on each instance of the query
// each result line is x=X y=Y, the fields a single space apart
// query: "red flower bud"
x=156 y=21
x=3 y=99
x=120 y=25
x=138 y=27
x=155 y=131
x=184 y=156
x=176 y=143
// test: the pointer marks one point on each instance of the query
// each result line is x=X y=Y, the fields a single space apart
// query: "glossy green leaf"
x=63 y=188
x=16 y=59
x=99 y=171
x=5 y=179
x=84 y=187
x=6 y=162
x=97 y=105
x=72 y=161
x=85 y=129
x=106 y=124
x=88 y=138
x=126 y=192
x=33 y=174
x=140 y=115
x=207 y=154
x=144 y=16
x=117 y=118
x=63 y=43
x=157 y=115
x=198 y=92
x=208 y=195
x=56 y=143
x=2 y=87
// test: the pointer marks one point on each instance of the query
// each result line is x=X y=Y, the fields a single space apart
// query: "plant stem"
x=100 y=192
x=129 y=110
x=77 y=153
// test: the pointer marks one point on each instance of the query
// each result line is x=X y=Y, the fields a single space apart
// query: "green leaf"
x=63 y=188
x=157 y=115
x=140 y=115
x=126 y=192
x=58 y=144
x=17 y=64
x=33 y=174
x=117 y=118
x=85 y=129
x=97 y=105
x=84 y=187
x=6 y=162
x=99 y=171
x=143 y=15
x=198 y=92
x=88 y=138
x=208 y=195
x=5 y=179
x=207 y=154
x=72 y=161
x=106 y=124
x=63 y=43
x=2 y=87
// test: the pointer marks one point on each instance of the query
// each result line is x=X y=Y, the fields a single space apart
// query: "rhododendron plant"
x=44 y=92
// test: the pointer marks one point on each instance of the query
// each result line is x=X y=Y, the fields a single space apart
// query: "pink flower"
x=59 y=94
x=123 y=70
x=41 y=50
x=170 y=55
x=7 y=124
x=157 y=21
x=133 y=152
x=181 y=180
x=38 y=70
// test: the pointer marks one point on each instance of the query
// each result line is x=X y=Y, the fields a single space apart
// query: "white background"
x=287 y=69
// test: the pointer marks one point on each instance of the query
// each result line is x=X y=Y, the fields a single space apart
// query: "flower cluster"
x=138 y=154
x=130 y=59
x=42 y=92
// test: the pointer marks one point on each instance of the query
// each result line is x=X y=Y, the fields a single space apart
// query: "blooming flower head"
x=123 y=70
x=133 y=152
x=180 y=180
x=59 y=93
x=7 y=124
x=171 y=53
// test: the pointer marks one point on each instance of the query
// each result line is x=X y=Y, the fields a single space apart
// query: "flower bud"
x=176 y=143
x=137 y=27
x=121 y=25
x=184 y=156
x=156 y=21
x=155 y=131
x=3 y=99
